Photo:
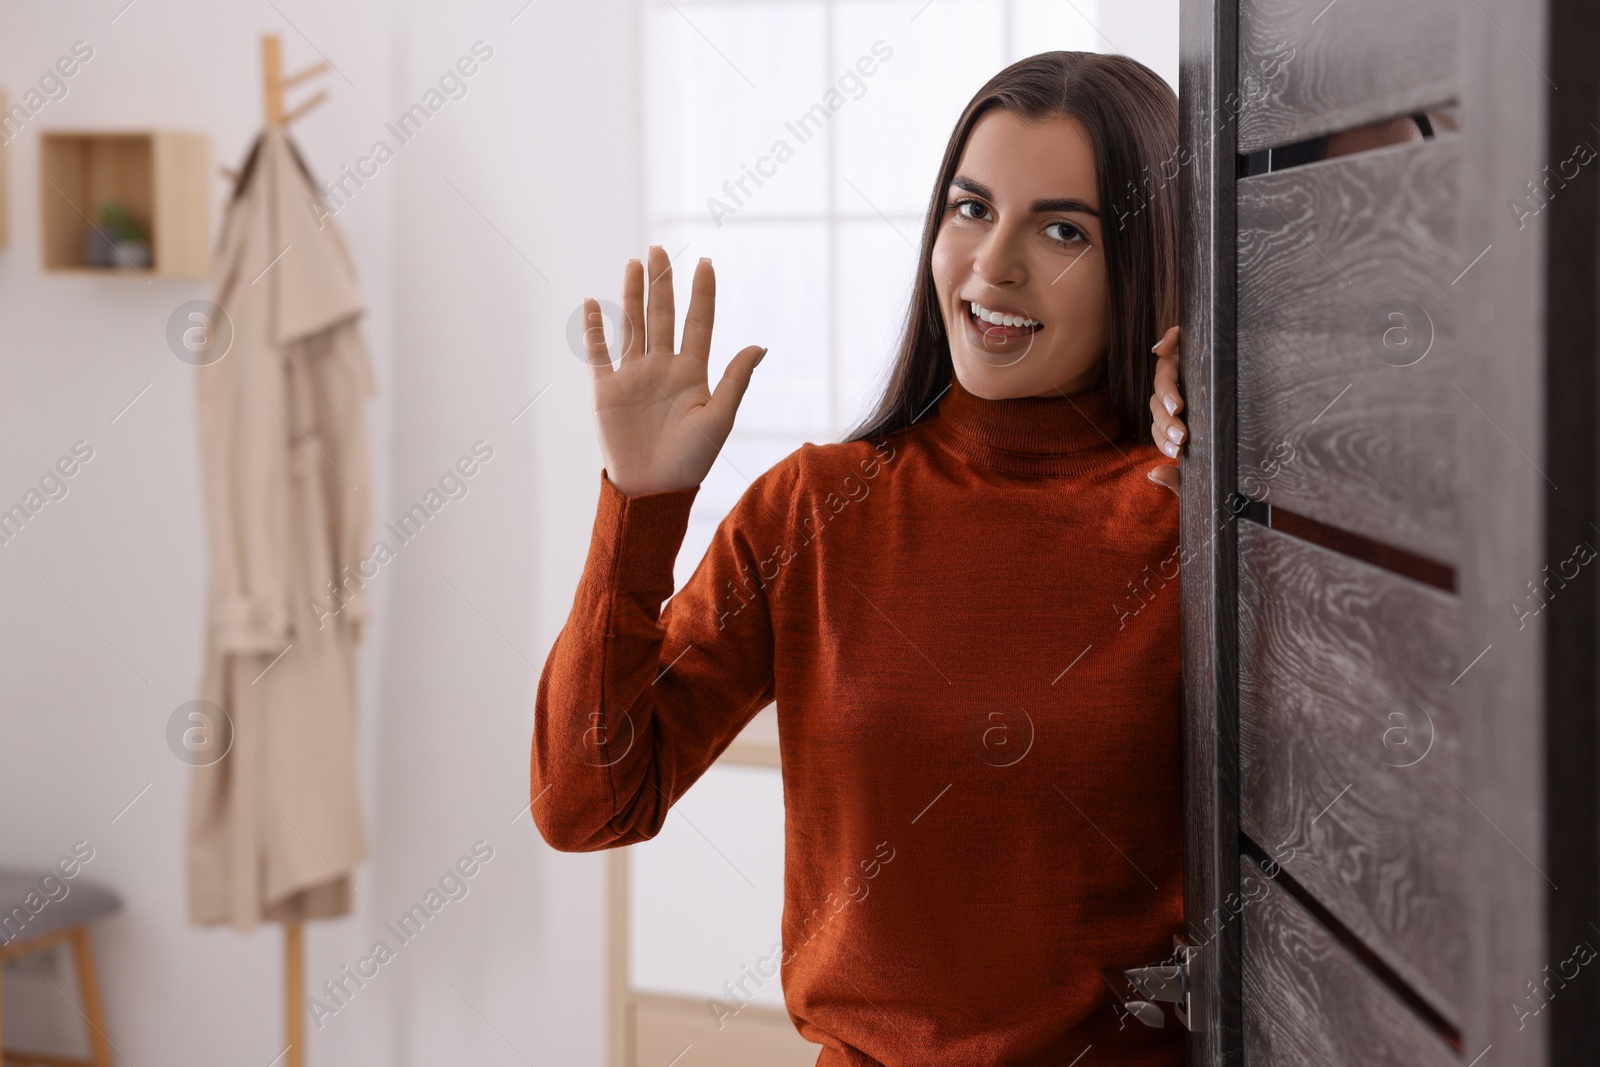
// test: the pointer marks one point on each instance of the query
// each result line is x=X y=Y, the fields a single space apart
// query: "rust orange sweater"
x=970 y=629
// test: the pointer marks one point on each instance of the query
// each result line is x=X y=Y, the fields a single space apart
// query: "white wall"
x=462 y=333
x=544 y=149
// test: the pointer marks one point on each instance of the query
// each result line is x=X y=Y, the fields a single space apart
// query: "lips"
x=999 y=338
x=996 y=315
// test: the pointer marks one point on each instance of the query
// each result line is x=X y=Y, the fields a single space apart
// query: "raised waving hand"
x=660 y=425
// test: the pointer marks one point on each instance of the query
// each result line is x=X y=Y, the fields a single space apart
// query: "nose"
x=999 y=260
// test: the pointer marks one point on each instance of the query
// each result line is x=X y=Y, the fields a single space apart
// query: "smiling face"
x=1018 y=263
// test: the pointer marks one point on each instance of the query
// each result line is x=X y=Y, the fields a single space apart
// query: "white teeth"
x=995 y=317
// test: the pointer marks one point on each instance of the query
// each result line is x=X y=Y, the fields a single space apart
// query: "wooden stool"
x=64 y=920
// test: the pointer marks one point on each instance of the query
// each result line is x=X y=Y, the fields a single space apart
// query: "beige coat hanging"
x=275 y=826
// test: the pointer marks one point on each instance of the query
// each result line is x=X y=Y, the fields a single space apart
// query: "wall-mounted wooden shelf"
x=160 y=177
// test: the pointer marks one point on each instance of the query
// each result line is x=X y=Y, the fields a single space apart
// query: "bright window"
x=812 y=216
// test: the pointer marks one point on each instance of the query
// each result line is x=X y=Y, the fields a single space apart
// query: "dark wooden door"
x=1388 y=523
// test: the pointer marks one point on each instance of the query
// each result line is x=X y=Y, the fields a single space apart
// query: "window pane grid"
x=728 y=80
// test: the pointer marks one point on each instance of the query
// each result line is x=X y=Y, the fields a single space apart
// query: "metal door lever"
x=1141 y=990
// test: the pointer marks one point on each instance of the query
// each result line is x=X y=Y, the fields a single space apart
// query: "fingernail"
x=705 y=259
x=762 y=356
x=1170 y=404
x=1155 y=346
x=1170 y=449
x=1175 y=435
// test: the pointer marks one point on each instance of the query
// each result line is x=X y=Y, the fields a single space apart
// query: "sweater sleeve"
x=636 y=700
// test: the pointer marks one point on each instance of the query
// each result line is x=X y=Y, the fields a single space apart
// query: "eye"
x=969 y=208
x=1069 y=234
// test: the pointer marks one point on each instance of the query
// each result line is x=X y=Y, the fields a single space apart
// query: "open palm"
x=660 y=425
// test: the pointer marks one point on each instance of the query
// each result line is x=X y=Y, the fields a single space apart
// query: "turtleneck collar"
x=1031 y=435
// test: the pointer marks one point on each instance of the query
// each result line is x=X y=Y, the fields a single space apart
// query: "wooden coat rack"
x=273 y=83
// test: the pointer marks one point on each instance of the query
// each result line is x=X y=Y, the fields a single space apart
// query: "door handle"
x=1181 y=982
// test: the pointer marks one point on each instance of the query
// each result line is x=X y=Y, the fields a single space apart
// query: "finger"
x=1167 y=365
x=702 y=311
x=660 y=322
x=1167 y=372
x=594 y=339
x=1167 y=475
x=1166 y=388
x=1167 y=432
x=735 y=380
x=631 y=342
x=1166 y=385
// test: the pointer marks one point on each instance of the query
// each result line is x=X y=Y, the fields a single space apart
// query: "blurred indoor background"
x=590 y=131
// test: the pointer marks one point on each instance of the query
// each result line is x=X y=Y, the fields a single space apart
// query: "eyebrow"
x=1039 y=207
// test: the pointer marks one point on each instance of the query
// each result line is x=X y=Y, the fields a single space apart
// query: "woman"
x=967 y=612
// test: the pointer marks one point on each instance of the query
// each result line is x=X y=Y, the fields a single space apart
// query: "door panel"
x=1348 y=747
x=1339 y=424
x=1207 y=58
x=1366 y=534
x=1343 y=265
x=1309 y=1002
x=1310 y=67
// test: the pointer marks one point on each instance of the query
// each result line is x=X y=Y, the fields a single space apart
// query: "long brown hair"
x=1131 y=117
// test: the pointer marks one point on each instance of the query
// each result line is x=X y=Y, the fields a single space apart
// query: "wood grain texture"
x=1310 y=67
x=1207 y=55
x=1325 y=251
x=1502 y=704
x=1350 y=745
x=1309 y=1003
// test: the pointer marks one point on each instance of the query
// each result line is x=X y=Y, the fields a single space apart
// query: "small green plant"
x=120 y=225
